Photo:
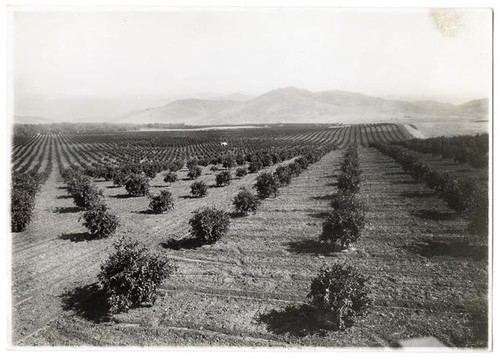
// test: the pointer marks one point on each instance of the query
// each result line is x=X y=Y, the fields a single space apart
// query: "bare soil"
x=427 y=276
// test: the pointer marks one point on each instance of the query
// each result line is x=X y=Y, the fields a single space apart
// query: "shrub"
x=108 y=173
x=137 y=185
x=241 y=172
x=228 y=162
x=22 y=204
x=349 y=179
x=119 y=178
x=214 y=168
x=255 y=166
x=477 y=212
x=341 y=294
x=209 y=225
x=170 y=177
x=295 y=169
x=194 y=172
x=199 y=189
x=132 y=274
x=302 y=162
x=191 y=163
x=77 y=183
x=24 y=190
x=245 y=201
x=150 y=172
x=348 y=182
x=88 y=197
x=162 y=202
x=100 y=222
x=240 y=159
x=283 y=175
x=176 y=165
x=266 y=185
x=223 y=178
x=203 y=162
x=345 y=221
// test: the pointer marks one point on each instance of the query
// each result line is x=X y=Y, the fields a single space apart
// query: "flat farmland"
x=427 y=276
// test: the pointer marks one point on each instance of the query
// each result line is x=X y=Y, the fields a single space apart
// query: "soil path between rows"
x=55 y=254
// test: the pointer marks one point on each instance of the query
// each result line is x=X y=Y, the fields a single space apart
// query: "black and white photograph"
x=271 y=177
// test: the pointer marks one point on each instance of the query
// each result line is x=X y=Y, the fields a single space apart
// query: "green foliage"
x=214 y=168
x=119 y=178
x=132 y=274
x=88 y=196
x=24 y=190
x=349 y=179
x=245 y=201
x=344 y=221
x=100 y=222
x=477 y=212
x=241 y=172
x=137 y=185
x=209 y=225
x=466 y=196
x=191 y=163
x=223 y=178
x=176 y=165
x=203 y=162
x=228 y=162
x=162 y=202
x=150 y=172
x=266 y=185
x=283 y=175
x=170 y=177
x=194 y=172
x=295 y=169
x=199 y=189
x=255 y=166
x=77 y=183
x=341 y=294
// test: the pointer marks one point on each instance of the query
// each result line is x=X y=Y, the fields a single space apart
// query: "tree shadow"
x=436 y=215
x=77 y=237
x=394 y=173
x=465 y=170
x=323 y=197
x=318 y=215
x=215 y=186
x=333 y=184
x=63 y=197
x=62 y=187
x=187 y=197
x=121 y=196
x=311 y=247
x=146 y=212
x=160 y=186
x=406 y=181
x=67 y=209
x=235 y=215
x=185 y=243
x=100 y=180
x=298 y=321
x=112 y=186
x=88 y=302
x=418 y=194
x=453 y=249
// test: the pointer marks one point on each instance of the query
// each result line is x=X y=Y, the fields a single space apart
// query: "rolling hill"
x=294 y=105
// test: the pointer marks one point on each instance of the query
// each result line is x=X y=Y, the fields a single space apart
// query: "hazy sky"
x=407 y=53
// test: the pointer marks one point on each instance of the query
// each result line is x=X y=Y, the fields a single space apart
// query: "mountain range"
x=294 y=105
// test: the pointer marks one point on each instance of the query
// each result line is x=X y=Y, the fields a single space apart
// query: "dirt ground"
x=427 y=276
